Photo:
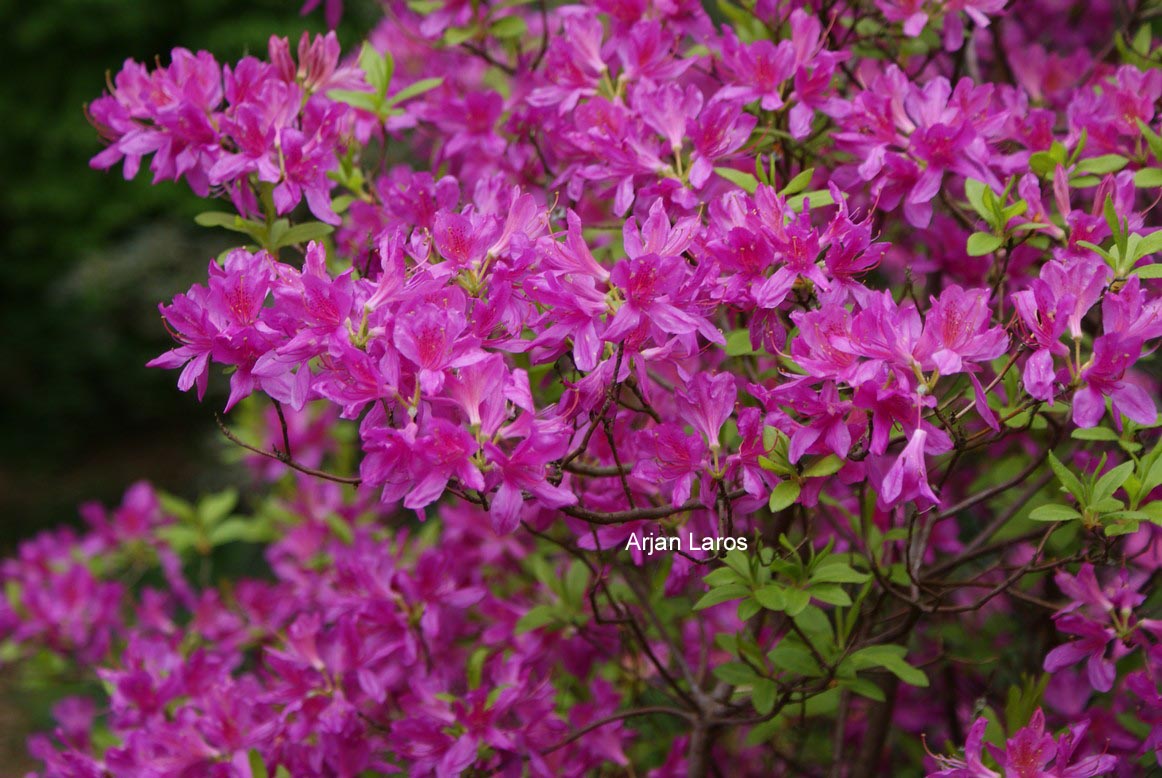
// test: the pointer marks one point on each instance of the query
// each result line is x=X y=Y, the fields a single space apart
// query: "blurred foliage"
x=87 y=255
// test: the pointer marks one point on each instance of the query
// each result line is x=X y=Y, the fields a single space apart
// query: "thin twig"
x=278 y=456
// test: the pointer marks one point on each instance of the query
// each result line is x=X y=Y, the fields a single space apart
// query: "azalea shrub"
x=638 y=388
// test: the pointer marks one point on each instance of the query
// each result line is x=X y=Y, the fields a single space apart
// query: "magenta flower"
x=673 y=459
x=431 y=338
x=1092 y=644
x=462 y=240
x=1104 y=376
x=720 y=130
x=1102 y=619
x=1029 y=751
x=668 y=109
x=444 y=452
x=758 y=70
x=650 y=284
x=907 y=479
x=223 y=322
x=524 y=470
x=1045 y=316
x=1082 y=282
x=971 y=766
x=957 y=331
x=707 y=403
x=826 y=426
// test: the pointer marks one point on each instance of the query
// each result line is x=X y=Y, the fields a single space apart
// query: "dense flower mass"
x=552 y=306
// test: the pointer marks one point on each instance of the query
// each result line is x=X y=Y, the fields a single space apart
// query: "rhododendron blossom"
x=643 y=388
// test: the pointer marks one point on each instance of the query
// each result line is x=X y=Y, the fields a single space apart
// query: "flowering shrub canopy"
x=649 y=392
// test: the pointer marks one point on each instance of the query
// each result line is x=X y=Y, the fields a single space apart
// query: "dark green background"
x=86 y=256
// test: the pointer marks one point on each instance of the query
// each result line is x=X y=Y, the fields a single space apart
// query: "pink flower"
x=907 y=479
x=1104 y=376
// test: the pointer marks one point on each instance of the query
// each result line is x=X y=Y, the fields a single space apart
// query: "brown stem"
x=286 y=460
x=879 y=727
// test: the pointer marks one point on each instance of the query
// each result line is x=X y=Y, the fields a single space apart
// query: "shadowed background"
x=86 y=256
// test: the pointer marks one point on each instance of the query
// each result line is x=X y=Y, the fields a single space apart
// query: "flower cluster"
x=870 y=285
x=322 y=670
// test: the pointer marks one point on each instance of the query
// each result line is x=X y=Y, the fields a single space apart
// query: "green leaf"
x=1121 y=528
x=784 y=495
x=234 y=223
x=1134 y=516
x=820 y=198
x=738 y=343
x=772 y=597
x=176 y=507
x=214 y=508
x=721 y=594
x=1111 y=482
x=793 y=657
x=1105 y=505
x=765 y=731
x=216 y=219
x=303 y=233
x=838 y=572
x=974 y=191
x=181 y=538
x=1152 y=478
x=1148 y=178
x=1150 y=244
x=1143 y=39
x=509 y=27
x=1133 y=57
x=763 y=694
x=1023 y=700
x=454 y=36
x=1147 y=271
x=1153 y=139
x=735 y=674
x=1106 y=163
x=721 y=577
x=832 y=594
x=797 y=184
x=797 y=601
x=1043 y=163
x=576 y=584
x=745 y=181
x=475 y=667
x=1153 y=511
x=257 y=766
x=377 y=68
x=828 y=465
x=340 y=528
x=239 y=530
x=1094 y=433
x=1107 y=256
x=864 y=688
x=414 y=90
x=891 y=658
x=1115 y=224
x=1067 y=478
x=537 y=617
x=981 y=243
x=364 y=101
x=748 y=609
x=1018 y=208
x=739 y=562
x=1054 y=513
